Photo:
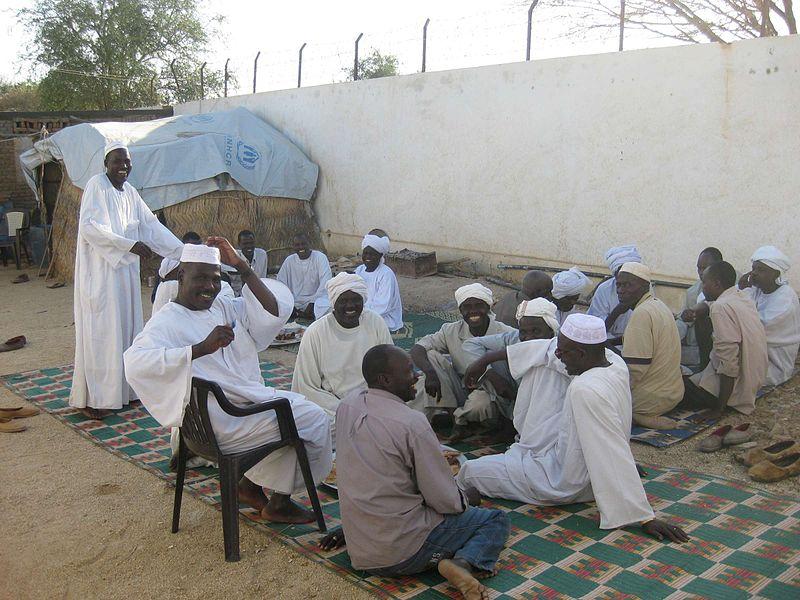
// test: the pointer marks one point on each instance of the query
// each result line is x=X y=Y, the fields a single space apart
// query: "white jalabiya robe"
x=574 y=440
x=160 y=368
x=107 y=296
x=305 y=278
x=780 y=314
x=605 y=299
x=328 y=365
x=167 y=291
x=383 y=296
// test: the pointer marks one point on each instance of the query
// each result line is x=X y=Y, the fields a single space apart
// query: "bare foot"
x=481 y=574
x=280 y=509
x=94 y=413
x=462 y=580
x=252 y=494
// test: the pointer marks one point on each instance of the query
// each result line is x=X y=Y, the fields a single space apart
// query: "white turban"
x=114 y=145
x=637 y=269
x=569 y=283
x=200 y=253
x=474 y=290
x=376 y=242
x=584 y=329
x=345 y=282
x=539 y=307
x=166 y=267
x=774 y=259
x=619 y=255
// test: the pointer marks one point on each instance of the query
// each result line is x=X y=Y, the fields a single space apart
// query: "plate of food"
x=454 y=458
x=292 y=333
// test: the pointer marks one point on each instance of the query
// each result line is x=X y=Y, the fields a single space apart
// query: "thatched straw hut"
x=274 y=221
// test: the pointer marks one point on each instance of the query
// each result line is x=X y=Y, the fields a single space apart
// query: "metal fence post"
x=355 y=60
x=300 y=64
x=425 y=43
x=202 y=82
x=530 y=24
x=226 y=76
x=255 y=70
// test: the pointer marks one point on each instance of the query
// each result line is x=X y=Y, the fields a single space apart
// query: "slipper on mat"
x=21 y=279
x=6 y=426
x=18 y=412
x=55 y=285
x=14 y=343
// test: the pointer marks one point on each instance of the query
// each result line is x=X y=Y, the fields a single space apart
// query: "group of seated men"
x=570 y=384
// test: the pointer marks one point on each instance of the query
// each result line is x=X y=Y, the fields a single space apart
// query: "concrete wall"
x=551 y=162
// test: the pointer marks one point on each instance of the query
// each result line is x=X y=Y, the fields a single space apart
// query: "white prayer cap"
x=200 y=253
x=113 y=145
x=584 y=329
x=774 y=259
x=474 y=290
x=345 y=282
x=637 y=269
x=619 y=255
x=376 y=242
x=569 y=283
x=539 y=307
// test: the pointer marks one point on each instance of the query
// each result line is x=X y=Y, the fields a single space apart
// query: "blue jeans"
x=476 y=536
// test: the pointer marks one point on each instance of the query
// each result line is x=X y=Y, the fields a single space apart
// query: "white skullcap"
x=200 y=253
x=114 y=145
x=619 y=255
x=569 y=283
x=474 y=290
x=584 y=329
x=539 y=307
x=345 y=282
x=637 y=269
x=376 y=242
x=166 y=267
x=774 y=259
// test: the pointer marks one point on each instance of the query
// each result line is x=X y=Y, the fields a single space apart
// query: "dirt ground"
x=79 y=522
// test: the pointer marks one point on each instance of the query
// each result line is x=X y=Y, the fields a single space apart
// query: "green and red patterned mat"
x=744 y=542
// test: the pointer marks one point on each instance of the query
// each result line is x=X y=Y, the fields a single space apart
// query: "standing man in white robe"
x=778 y=308
x=605 y=303
x=115 y=230
x=305 y=273
x=581 y=451
x=328 y=363
x=206 y=335
x=567 y=289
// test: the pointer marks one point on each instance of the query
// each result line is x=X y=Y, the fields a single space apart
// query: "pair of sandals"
x=775 y=462
x=8 y=416
x=728 y=435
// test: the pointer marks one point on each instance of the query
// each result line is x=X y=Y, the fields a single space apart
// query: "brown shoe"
x=714 y=442
x=20 y=412
x=738 y=435
x=7 y=426
x=774 y=452
x=776 y=470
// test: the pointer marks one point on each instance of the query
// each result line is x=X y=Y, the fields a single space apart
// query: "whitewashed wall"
x=551 y=162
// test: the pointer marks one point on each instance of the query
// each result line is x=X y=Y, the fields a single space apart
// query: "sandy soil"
x=79 y=522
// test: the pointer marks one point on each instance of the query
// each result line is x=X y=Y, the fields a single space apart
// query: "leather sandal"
x=738 y=435
x=14 y=343
x=775 y=451
x=7 y=426
x=776 y=470
x=714 y=441
x=19 y=412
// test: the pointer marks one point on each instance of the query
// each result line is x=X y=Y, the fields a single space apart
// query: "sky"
x=462 y=33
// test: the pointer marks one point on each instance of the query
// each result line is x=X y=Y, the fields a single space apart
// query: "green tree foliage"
x=19 y=96
x=116 y=54
x=375 y=65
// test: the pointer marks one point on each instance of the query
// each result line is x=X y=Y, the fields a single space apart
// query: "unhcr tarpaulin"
x=179 y=158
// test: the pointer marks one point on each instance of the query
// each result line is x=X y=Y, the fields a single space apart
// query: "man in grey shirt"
x=401 y=510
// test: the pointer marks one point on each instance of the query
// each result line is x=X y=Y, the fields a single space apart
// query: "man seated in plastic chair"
x=216 y=337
